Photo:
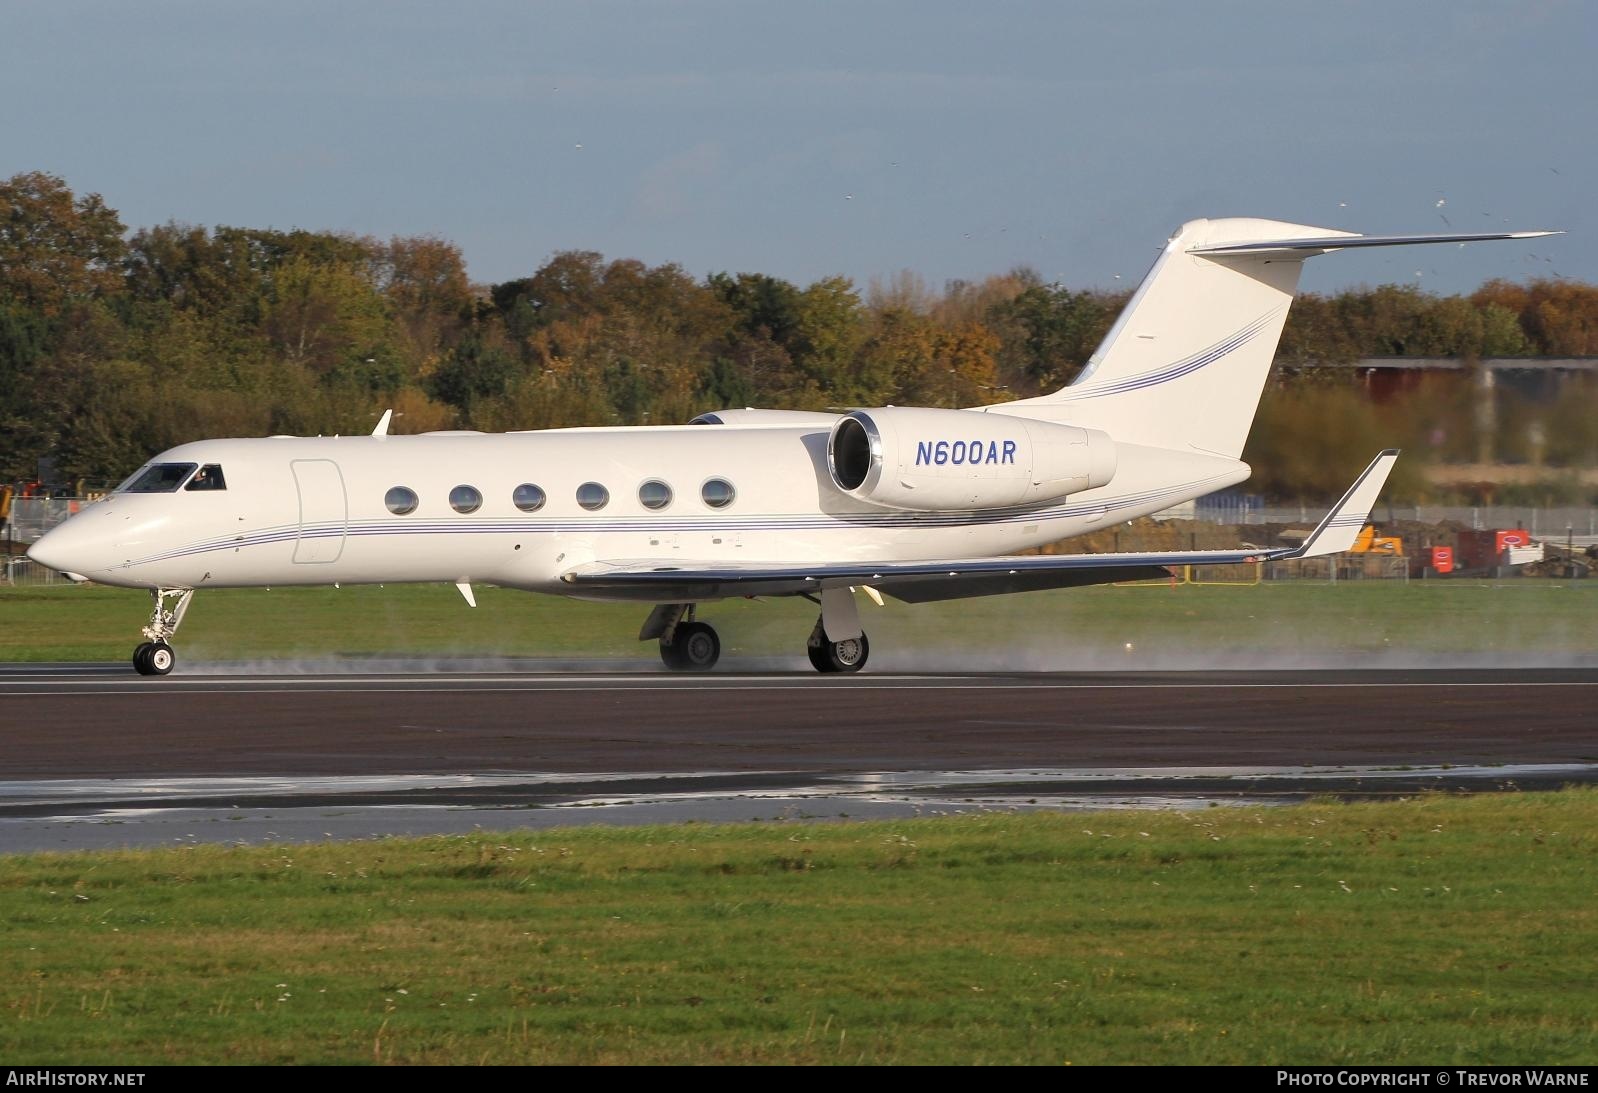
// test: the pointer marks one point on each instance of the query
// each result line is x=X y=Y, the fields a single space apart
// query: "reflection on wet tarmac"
x=80 y=814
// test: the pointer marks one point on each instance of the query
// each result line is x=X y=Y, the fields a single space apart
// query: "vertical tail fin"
x=1184 y=365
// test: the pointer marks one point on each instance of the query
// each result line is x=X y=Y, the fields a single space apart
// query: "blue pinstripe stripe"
x=1184 y=367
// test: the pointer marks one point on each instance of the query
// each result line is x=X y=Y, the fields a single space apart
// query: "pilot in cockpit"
x=208 y=477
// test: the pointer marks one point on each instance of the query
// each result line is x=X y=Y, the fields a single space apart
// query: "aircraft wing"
x=943 y=579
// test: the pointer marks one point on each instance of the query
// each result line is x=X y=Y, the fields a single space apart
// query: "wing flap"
x=932 y=590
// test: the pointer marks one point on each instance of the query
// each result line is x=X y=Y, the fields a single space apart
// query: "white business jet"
x=920 y=504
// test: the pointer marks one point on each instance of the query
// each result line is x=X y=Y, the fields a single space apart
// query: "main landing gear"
x=849 y=650
x=155 y=656
x=688 y=645
x=695 y=648
x=828 y=656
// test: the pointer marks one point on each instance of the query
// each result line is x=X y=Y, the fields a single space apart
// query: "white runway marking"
x=514 y=684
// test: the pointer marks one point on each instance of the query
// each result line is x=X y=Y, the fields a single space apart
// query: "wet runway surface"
x=94 y=755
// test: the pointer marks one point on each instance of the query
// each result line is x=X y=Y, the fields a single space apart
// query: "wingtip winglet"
x=1337 y=532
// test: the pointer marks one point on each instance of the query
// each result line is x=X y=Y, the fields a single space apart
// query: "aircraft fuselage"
x=314 y=511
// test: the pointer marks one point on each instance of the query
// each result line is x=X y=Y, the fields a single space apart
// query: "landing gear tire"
x=154 y=658
x=839 y=656
x=693 y=648
x=161 y=658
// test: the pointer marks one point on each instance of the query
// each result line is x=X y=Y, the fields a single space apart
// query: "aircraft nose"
x=66 y=549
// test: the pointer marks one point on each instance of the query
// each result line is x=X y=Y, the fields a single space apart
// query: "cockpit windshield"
x=158 y=478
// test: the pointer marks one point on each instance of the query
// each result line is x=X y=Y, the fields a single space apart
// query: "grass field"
x=1438 y=930
x=1523 y=621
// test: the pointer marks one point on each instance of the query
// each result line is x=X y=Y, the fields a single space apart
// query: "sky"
x=945 y=137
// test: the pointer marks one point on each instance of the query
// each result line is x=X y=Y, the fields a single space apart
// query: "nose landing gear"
x=155 y=656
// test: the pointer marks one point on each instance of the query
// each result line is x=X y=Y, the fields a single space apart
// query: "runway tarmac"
x=93 y=755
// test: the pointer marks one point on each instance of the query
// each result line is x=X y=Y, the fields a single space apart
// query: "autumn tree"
x=1559 y=317
x=110 y=350
x=900 y=358
x=423 y=279
x=56 y=248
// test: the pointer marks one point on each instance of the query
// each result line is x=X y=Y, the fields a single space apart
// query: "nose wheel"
x=154 y=658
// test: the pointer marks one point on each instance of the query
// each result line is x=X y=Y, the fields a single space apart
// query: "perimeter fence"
x=22 y=572
x=1328 y=569
x=30 y=517
x=1541 y=522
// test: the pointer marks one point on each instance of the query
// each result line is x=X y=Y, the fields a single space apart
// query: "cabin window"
x=401 y=500
x=718 y=493
x=159 y=478
x=592 y=496
x=209 y=477
x=654 y=494
x=528 y=497
x=464 y=499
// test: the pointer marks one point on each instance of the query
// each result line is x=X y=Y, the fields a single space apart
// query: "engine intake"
x=934 y=460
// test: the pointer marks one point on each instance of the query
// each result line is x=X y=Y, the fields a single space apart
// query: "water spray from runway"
x=1519 y=624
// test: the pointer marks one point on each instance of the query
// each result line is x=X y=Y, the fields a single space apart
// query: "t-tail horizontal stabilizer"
x=1325 y=244
x=1338 y=531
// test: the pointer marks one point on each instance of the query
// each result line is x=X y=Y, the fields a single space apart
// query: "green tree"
x=1047 y=333
x=760 y=305
x=29 y=432
x=829 y=332
x=328 y=318
x=760 y=344
x=480 y=367
x=56 y=248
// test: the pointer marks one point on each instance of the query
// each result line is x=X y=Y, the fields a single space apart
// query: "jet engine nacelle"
x=945 y=460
